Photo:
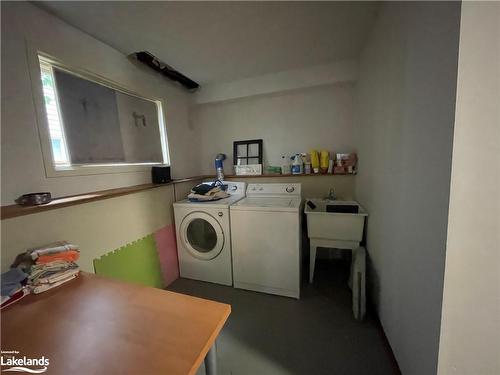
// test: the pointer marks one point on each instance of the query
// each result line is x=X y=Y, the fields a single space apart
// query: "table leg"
x=211 y=361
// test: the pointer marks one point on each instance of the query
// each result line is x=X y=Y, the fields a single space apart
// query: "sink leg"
x=312 y=262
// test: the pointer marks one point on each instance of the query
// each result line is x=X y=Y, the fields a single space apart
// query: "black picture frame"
x=246 y=156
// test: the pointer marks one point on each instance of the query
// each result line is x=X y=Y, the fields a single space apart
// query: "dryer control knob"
x=220 y=214
x=290 y=189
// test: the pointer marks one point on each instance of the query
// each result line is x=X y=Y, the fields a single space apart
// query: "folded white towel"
x=58 y=276
x=44 y=287
x=52 y=248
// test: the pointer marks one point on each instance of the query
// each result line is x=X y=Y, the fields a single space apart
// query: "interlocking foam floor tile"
x=167 y=252
x=136 y=262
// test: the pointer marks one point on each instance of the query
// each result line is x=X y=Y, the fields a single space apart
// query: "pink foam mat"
x=166 y=246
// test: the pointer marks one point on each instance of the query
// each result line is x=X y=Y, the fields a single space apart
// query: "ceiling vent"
x=158 y=65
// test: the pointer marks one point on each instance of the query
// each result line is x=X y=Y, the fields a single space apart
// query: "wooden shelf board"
x=16 y=210
x=288 y=175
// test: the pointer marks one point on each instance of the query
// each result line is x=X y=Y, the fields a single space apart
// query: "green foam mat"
x=136 y=262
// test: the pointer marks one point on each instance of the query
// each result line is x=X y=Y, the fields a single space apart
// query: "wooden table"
x=93 y=325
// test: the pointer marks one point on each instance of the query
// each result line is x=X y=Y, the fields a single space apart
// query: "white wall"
x=22 y=163
x=289 y=122
x=470 y=328
x=96 y=227
x=406 y=97
x=296 y=79
x=311 y=186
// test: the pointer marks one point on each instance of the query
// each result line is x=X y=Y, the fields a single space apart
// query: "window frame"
x=54 y=170
x=236 y=157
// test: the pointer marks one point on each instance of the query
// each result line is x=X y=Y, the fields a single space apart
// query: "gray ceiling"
x=224 y=41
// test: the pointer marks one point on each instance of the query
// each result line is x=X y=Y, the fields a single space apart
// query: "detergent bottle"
x=297 y=165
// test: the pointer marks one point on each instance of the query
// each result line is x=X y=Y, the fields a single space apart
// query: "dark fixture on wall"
x=158 y=65
x=160 y=175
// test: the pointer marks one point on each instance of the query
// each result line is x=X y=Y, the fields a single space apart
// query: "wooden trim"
x=15 y=210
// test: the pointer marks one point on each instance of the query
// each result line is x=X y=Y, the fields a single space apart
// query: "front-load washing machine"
x=204 y=237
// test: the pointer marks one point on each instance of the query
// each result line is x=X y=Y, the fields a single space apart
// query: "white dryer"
x=266 y=239
x=204 y=237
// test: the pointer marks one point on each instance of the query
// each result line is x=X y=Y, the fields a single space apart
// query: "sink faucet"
x=331 y=195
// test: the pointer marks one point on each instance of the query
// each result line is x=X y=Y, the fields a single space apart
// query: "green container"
x=273 y=170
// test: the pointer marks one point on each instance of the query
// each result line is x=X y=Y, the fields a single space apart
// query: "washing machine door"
x=202 y=235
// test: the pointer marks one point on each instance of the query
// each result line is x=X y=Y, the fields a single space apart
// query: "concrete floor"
x=272 y=335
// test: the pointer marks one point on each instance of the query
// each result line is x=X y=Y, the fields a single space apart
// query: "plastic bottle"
x=323 y=161
x=315 y=161
x=285 y=164
x=330 y=166
x=307 y=167
x=219 y=166
x=219 y=169
x=297 y=165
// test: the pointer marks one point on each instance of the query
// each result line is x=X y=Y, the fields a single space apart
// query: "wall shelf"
x=289 y=175
x=16 y=210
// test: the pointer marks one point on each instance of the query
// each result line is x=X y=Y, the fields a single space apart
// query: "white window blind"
x=58 y=142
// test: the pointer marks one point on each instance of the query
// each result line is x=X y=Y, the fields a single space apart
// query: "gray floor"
x=317 y=334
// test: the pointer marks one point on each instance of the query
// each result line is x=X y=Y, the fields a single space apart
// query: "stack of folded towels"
x=54 y=265
x=208 y=191
x=38 y=270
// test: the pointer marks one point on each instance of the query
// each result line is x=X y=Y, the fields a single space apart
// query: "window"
x=92 y=123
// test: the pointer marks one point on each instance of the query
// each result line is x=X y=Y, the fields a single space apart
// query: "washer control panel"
x=273 y=189
x=235 y=187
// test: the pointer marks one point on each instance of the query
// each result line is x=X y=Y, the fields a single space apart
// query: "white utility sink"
x=339 y=224
x=341 y=221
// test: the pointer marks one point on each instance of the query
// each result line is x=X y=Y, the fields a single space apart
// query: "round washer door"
x=202 y=235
